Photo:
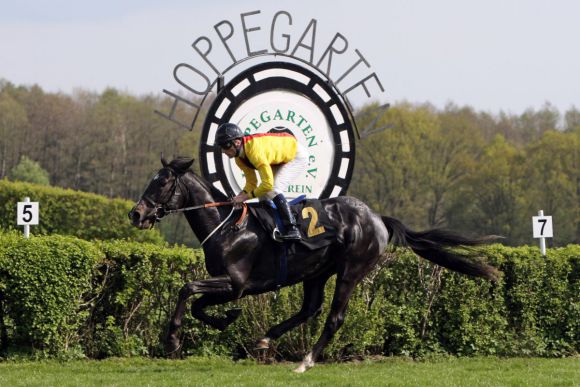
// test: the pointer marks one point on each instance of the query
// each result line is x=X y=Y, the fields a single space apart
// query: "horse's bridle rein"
x=161 y=211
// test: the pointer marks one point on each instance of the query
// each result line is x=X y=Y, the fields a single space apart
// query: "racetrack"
x=489 y=371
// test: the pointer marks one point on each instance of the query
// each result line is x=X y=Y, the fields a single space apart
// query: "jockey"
x=276 y=156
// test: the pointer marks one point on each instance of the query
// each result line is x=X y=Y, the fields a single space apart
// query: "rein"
x=216 y=204
x=161 y=211
x=165 y=212
x=206 y=205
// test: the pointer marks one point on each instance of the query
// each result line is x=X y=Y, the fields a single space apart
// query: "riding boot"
x=292 y=232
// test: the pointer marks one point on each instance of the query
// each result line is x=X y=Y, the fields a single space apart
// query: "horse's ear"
x=163 y=161
x=188 y=164
x=180 y=165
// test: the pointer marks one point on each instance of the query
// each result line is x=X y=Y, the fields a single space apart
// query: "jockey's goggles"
x=227 y=145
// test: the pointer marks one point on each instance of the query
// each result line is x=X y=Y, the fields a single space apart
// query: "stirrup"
x=292 y=235
x=277 y=235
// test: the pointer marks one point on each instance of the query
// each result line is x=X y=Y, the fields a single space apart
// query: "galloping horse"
x=244 y=262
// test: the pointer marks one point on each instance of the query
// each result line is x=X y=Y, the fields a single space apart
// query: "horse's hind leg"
x=342 y=293
x=311 y=305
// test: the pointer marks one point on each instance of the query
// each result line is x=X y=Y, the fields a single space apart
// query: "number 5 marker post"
x=26 y=215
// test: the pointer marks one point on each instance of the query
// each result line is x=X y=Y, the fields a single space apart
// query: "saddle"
x=311 y=218
x=312 y=221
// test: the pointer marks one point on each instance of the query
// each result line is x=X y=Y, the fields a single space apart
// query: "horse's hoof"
x=306 y=364
x=263 y=343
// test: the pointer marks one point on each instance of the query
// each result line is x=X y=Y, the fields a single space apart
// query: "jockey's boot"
x=292 y=232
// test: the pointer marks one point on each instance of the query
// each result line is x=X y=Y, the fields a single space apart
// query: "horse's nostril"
x=134 y=216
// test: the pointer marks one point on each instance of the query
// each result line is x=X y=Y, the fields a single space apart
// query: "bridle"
x=161 y=208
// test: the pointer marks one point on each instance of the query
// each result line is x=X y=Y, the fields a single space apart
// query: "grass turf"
x=488 y=371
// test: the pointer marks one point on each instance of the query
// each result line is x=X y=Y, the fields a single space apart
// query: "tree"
x=29 y=171
x=449 y=153
x=12 y=120
x=388 y=169
x=533 y=124
x=411 y=169
x=572 y=120
x=490 y=200
x=553 y=182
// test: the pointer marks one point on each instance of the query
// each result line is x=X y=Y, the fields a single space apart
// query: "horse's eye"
x=164 y=181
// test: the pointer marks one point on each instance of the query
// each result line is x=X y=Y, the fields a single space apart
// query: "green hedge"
x=66 y=297
x=43 y=286
x=67 y=212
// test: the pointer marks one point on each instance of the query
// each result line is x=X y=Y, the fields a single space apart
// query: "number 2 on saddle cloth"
x=311 y=219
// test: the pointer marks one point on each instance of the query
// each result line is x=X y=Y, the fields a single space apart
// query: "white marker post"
x=542 y=229
x=26 y=215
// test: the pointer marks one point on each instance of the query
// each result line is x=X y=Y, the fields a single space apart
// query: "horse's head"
x=163 y=193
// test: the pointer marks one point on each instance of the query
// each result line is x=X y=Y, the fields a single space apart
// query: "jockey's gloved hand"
x=240 y=198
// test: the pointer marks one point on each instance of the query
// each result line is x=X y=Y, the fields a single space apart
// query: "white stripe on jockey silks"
x=287 y=173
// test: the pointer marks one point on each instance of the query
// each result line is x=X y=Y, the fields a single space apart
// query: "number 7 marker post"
x=542 y=229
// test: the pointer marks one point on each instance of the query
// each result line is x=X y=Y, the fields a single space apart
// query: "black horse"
x=244 y=261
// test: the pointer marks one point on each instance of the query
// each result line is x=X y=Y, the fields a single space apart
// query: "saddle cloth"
x=311 y=218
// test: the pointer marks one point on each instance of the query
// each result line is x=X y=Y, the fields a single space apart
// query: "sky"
x=493 y=55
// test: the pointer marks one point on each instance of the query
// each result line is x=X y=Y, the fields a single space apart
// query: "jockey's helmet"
x=226 y=133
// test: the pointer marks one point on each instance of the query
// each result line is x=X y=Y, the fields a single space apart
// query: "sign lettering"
x=219 y=54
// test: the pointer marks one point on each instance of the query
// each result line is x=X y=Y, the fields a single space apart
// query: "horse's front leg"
x=220 y=323
x=219 y=289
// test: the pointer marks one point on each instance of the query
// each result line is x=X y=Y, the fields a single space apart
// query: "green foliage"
x=107 y=143
x=108 y=298
x=13 y=121
x=542 y=297
x=29 y=171
x=433 y=167
x=495 y=194
x=472 y=171
x=44 y=282
x=137 y=286
x=556 y=171
x=67 y=297
x=68 y=212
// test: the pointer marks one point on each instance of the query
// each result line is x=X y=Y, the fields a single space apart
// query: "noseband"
x=161 y=208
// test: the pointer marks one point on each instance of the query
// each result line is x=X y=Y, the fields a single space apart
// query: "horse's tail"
x=435 y=245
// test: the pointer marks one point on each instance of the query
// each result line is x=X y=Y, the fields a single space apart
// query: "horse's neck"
x=202 y=221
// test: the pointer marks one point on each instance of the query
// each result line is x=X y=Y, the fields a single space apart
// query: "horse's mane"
x=181 y=165
x=216 y=193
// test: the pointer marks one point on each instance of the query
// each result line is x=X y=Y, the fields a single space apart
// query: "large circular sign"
x=282 y=94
